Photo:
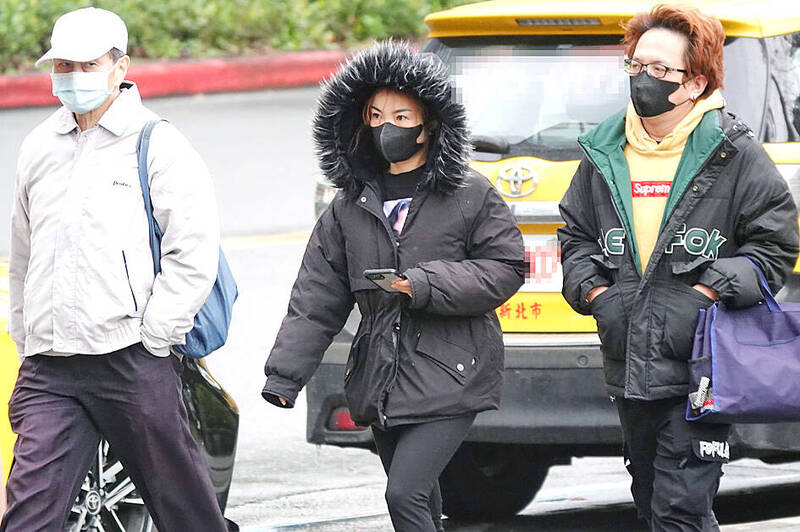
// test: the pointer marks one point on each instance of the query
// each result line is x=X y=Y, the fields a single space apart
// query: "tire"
x=485 y=481
x=108 y=500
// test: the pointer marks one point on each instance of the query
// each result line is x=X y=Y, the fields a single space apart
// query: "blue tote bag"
x=212 y=322
x=745 y=365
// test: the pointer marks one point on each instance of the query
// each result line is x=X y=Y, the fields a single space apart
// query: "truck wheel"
x=484 y=481
x=108 y=499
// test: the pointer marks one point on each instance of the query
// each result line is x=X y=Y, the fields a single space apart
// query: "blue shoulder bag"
x=745 y=362
x=212 y=322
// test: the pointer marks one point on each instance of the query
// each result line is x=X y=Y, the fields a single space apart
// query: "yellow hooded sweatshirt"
x=652 y=167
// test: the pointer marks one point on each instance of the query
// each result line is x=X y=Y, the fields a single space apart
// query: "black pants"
x=675 y=465
x=59 y=409
x=414 y=456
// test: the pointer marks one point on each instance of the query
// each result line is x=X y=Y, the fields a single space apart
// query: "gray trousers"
x=59 y=409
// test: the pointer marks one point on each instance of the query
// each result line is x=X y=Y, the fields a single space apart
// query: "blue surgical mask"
x=81 y=92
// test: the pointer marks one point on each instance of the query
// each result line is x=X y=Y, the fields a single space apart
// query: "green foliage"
x=202 y=28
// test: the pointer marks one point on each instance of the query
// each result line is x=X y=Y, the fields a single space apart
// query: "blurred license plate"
x=543 y=261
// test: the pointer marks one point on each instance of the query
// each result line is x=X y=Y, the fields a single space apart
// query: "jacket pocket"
x=356 y=356
x=612 y=324
x=455 y=360
x=682 y=305
x=688 y=272
x=604 y=262
x=130 y=285
x=696 y=265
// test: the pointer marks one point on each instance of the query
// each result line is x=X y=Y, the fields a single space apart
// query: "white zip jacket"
x=81 y=270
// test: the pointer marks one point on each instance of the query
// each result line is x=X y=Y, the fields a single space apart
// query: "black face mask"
x=650 y=96
x=396 y=143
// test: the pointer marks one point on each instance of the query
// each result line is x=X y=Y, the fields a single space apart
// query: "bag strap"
x=142 y=148
x=770 y=299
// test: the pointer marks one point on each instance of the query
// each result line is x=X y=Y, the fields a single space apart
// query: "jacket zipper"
x=396 y=327
x=128 y=277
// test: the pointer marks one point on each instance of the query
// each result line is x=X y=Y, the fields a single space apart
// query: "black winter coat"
x=728 y=202
x=439 y=354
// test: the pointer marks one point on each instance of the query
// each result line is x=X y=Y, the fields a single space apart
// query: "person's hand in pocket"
x=710 y=293
x=594 y=292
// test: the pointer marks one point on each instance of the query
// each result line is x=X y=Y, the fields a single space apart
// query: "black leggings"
x=414 y=456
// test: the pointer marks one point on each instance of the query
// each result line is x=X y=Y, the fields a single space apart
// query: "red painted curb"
x=293 y=69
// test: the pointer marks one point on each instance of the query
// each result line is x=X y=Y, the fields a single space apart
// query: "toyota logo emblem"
x=94 y=502
x=511 y=179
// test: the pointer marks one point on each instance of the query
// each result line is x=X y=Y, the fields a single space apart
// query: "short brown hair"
x=706 y=37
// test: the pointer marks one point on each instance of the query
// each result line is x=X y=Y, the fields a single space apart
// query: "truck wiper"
x=487 y=144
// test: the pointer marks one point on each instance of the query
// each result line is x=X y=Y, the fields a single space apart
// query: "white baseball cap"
x=86 y=34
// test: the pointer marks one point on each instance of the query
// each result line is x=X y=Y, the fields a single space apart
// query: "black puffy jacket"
x=727 y=202
x=439 y=354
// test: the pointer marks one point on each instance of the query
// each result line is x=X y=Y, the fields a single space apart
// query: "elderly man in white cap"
x=92 y=322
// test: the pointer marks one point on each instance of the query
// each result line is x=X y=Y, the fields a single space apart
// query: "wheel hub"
x=108 y=500
x=94 y=502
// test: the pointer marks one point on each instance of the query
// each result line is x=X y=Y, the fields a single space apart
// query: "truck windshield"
x=535 y=95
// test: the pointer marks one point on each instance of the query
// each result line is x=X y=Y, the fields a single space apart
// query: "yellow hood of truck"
x=740 y=18
x=9 y=364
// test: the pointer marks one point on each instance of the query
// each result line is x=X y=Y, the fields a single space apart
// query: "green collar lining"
x=605 y=145
x=700 y=145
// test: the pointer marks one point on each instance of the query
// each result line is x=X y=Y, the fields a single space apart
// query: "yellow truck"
x=9 y=363
x=533 y=76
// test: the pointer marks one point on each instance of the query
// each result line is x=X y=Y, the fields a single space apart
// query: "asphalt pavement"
x=256 y=144
x=259 y=150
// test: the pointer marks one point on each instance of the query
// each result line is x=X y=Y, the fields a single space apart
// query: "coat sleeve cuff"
x=735 y=280
x=584 y=307
x=420 y=288
x=278 y=387
x=153 y=345
x=714 y=279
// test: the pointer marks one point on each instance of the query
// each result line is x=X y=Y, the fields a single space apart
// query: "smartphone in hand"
x=384 y=278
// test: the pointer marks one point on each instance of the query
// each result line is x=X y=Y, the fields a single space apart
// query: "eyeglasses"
x=655 y=70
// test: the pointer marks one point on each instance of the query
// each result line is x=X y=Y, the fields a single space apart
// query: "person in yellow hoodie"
x=652 y=164
x=674 y=205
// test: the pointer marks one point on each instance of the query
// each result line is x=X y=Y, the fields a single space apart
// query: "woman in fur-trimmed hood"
x=428 y=354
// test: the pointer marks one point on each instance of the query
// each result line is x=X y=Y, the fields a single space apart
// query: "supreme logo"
x=650 y=189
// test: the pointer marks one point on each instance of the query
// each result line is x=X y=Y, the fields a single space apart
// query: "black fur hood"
x=338 y=117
